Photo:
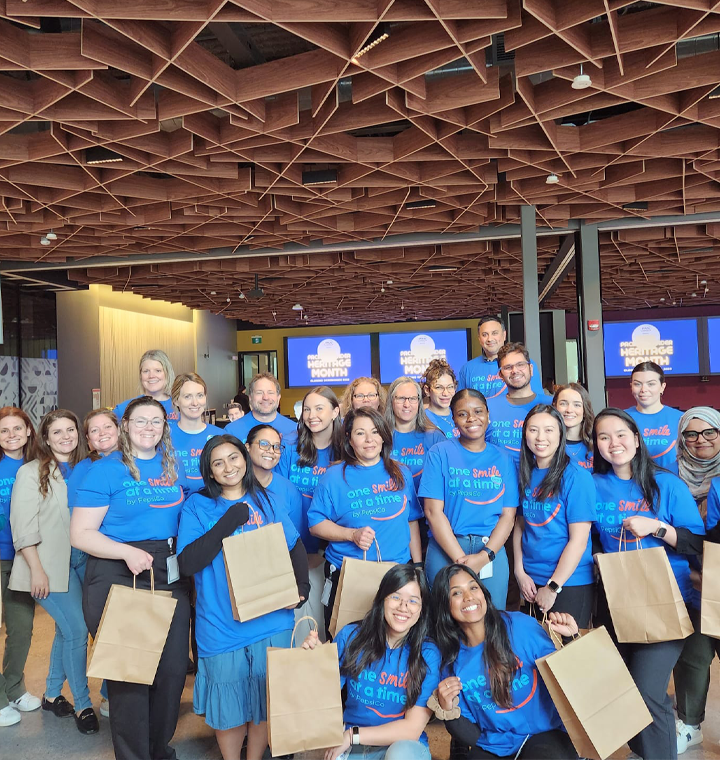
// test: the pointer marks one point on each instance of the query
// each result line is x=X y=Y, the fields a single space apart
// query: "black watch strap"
x=490 y=553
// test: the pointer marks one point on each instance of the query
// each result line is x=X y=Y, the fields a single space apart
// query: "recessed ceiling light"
x=552 y=179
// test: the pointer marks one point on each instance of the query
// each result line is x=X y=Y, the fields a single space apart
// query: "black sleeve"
x=298 y=557
x=202 y=551
x=689 y=543
x=713 y=535
x=463 y=730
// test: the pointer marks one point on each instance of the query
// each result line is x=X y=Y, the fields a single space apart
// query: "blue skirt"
x=230 y=687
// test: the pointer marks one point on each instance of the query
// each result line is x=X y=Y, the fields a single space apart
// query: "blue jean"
x=436 y=560
x=68 y=656
x=402 y=750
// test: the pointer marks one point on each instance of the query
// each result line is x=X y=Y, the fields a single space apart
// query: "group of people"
x=486 y=493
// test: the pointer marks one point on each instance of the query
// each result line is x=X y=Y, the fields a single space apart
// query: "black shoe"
x=87 y=722
x=60 y=706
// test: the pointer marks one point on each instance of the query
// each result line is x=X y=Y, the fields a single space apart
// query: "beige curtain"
x=124 y=338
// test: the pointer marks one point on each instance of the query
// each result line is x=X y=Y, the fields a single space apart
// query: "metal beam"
x=531 y=307
x=558 y=270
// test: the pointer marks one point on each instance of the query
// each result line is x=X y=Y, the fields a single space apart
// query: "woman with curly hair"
x=439 y=385
x=363 y=391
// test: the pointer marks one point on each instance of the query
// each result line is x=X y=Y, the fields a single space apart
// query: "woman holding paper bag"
x=648 y=503
x=390 y=671
x=126 y=518
x=230 y=682
x=491 y=696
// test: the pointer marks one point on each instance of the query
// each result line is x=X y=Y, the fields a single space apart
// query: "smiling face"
x=265 y=450
x=265 y=397
x=14 y=434
x=405 y=402
x=318 y=413
x=441 y=392
x=471 y=418
x=62 y=438
x=492 y=338
x=542 y=433
x=647 y=388
x=402 y=609
x=102 y=434
x=515 y=370
x=700 y=448
x=145 y=428
x=616 y=443
x=467 y=600
x=570 y=405
x=365 y=394
x=191 y=401
x=152 y=377
x=366 y=441
x=227 y=465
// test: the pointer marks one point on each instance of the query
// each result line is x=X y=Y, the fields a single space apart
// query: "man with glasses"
x=264 y=395
x=482 y=372
x=508 y=411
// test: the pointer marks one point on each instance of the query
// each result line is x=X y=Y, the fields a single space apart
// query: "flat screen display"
x=410 y=353
x=713 y=324
x=670 y=343
x=327 y=360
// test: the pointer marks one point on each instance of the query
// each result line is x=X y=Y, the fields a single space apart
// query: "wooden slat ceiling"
x=217 y=107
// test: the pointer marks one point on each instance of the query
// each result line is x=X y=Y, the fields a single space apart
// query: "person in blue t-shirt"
x=365 y=506
x=156 y=379
x=552 y=548
x=190 y=432
x=638 y=501
x=470 y=493
x=230 y=688
x=319 y=444
x=658 y=424
x=363 y=391
x=264 y=395
x=17 y=440
x=491 y=695
x=573 y=403
x=389 y=669
x=439 y=385
x=482 y=373
x=126 y=519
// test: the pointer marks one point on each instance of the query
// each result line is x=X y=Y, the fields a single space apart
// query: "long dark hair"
x=348 y=455
x=213 y=490
x=499 y=659
x=553 y=477
x=44 y=454
x=588 y=414
x=642 y=466
x=369 y=643
x=306 y=448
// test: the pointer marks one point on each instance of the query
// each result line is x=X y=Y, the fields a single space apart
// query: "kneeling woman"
x=230 y=682
x=390 y=641
x=488 y=663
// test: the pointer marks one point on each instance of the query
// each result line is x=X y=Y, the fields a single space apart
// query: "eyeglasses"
x=518 y=365
x=397 y=600
x=443 y=388
x=266 y=446
x=709 y=434
x=412 y=400
x=365 y=396
x=141 y=422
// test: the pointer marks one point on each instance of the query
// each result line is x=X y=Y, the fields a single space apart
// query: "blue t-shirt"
x=483 y=375
x=660 y=432
x=8 y=473
x=172 y=412
x=475 y=487
x=713 y=504
x=547 y=522
x=379 y=694
x=188 y=448
x=412 y=449
x=618 y=499
x=506 y=422
x=503 y=730
x=445 y=424
x=286 y=427
x=75 y=480
x=216 y=630
x=138 y=510
x=305 y=479
x=580 y=454
x=284 y=494
x=360 y=497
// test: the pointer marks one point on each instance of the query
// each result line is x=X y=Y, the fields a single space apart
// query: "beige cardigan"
x=41 y=522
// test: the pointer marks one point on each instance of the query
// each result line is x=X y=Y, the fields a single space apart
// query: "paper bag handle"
x=377 y=547
x=623 y=540
x=152 y=581
x=300 y=620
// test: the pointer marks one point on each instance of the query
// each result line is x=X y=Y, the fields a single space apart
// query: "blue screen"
x=672 y=343
x=327 y=360
x=714 y=343
x=410 y=353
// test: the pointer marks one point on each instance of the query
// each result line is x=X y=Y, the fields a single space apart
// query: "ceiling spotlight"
x=662 y=300
x=213 y=293
x=100 y=155
x=388 y=282
x=581 y=81
x=51 y=235
x=297 y=307
x=552 y=179
x=228 y=299
x=380 y=34
x=44 y=241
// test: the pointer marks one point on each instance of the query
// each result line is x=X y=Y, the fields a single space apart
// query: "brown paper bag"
x=710 y=594
x=594 y=693
x=358 y=583
x=643 y=596
x=260 y=561
x=304 y=703
x=132 y=633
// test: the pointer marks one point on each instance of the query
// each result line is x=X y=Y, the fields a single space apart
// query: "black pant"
x=549 y=745
x=577 y=601
x=334 y=576
x=143 y=718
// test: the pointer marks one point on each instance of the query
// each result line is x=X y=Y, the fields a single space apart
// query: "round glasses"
x=266 y=446
x=709 y=434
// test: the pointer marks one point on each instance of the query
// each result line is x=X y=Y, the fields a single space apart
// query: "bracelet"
x=434 y=705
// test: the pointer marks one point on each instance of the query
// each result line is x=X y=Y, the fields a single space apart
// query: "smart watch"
x=355 y=735
x=490 y=553
x=661 y=531
x=554 y=586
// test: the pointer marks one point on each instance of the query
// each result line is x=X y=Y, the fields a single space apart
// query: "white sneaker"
x=105 y=708
x=9 y=716
x=687 y=736
x=27 y=703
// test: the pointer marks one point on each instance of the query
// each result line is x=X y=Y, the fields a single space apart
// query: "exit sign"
x=256 y=338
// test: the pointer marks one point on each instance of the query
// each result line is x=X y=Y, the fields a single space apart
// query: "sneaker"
x=27 y=703
x=9 y=716
x=105 y=708
x=687 y=736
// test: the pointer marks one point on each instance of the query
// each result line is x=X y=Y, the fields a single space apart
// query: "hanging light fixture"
x=552 y=179
x=51 y=235
x=44 y=241
x=581 y=81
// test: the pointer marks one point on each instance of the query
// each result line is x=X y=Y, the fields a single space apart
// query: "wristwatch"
x=554 y=586
x=661 y=531
x=355 y=735
x=490 y=553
